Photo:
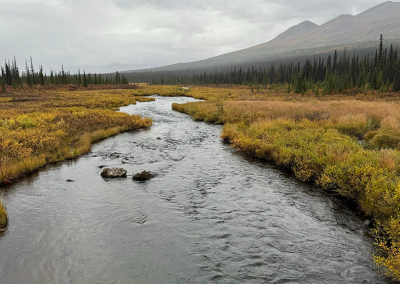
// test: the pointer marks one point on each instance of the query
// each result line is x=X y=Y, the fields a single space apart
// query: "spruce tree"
x=8 y=75
x=334 y=66
x=41 y=77
x=380 y=49
x=34 y=81
x=28 y=75
x=52 y=81
x=85 y=81
x=15 y=73
x=79 y=78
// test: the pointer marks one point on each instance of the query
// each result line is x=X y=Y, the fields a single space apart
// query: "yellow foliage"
x=52 y=126
x=3 y=216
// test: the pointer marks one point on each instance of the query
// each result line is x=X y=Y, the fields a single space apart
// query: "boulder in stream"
x=142 y=175
x=113 y=173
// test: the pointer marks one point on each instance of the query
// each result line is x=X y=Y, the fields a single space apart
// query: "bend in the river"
x=211 y=215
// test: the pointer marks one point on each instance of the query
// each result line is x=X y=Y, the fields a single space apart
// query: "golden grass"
x=44 y=126
x=144 y=99
x=345 y=143
x=166 y=91
x=3 y=216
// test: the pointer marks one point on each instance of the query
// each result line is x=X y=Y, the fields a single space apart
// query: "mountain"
x=297 y=30
x=307 y=38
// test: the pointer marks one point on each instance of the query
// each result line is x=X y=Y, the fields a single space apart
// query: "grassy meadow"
x=344 y=143
x=40 y=125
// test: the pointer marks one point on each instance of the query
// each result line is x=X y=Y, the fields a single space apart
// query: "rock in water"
x=143 y=175
x=113 y=172
x=114 y=155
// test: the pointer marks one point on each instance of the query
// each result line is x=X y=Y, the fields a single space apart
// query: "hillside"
x=306 y=38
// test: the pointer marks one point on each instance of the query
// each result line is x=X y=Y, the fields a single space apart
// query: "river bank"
x=41 y=126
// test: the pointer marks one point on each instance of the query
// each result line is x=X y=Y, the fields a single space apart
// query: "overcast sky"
x=105 y=35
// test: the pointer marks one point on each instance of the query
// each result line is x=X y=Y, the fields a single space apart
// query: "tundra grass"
x=346 y=143
x=41 y=126
x=3 y=216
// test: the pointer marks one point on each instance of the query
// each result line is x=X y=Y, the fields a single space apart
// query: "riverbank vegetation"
x=3 y=217
x=40 y=126
x=344 y=143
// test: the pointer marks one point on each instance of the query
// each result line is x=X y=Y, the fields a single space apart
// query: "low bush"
x=55 y=125
x=3 y=216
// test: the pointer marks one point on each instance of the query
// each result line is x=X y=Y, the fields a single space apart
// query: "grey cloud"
x=257 y=10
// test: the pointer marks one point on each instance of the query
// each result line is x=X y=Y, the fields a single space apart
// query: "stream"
x=211 y=215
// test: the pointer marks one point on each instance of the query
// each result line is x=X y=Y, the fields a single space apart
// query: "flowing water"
x=211 y=215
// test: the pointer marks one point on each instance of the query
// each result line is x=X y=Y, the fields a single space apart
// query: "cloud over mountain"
x=148 y=33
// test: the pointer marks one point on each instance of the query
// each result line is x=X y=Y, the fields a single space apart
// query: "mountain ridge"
x=345 y=29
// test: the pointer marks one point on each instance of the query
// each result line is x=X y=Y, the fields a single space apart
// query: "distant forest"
x=11 y=76
x=368 y=68
x=364 y=69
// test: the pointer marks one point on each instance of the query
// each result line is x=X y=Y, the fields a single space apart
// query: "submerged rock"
x=143 y=175
x=114 y=155
x=113 y=172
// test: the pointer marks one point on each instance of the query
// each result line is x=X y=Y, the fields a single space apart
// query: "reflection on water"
x=212 y=215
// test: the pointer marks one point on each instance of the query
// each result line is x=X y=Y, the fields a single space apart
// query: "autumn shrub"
x=353 y=125
x=384 y=138
x=57 y=125
x=144 y=99
x=3 y=216
x=166 y=91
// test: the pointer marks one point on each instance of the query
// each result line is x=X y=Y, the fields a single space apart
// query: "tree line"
x=364 y=70
x=11 y=76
